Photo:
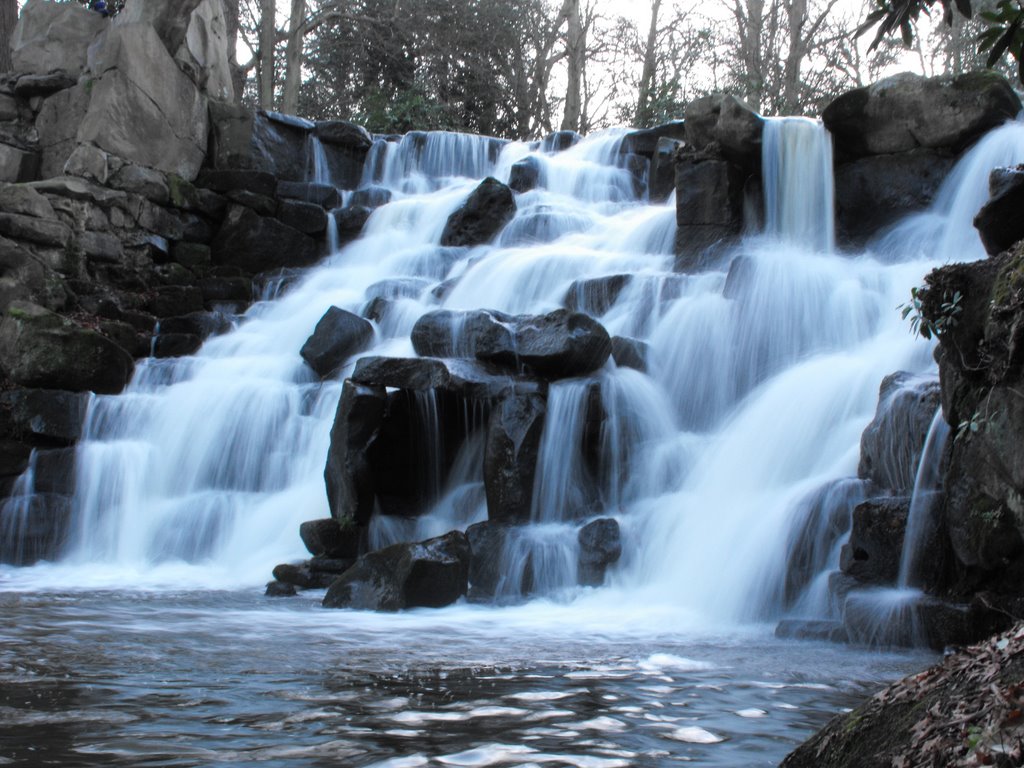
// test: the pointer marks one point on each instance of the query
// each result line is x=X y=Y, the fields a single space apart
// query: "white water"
x=200 y=474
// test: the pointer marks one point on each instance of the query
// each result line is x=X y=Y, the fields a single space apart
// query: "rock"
x=323 y=195
x=999 y=222
x=28 y=86
x=205 y=50
x=874 y=192
x=338 y=336
x=600 y=546
x=39 y=531
x=201 y=324
x=487 y=546
x=525 y=174
x=17 y=164
x=510 y=456
x=57 y=124
x=88 y=162
x=810 y=629
x=455 y=333
x=280 y=589
x=302 y=576
x=709 y=208
x=176 y=345
x=370 y=197
x=559 y=141
x=257 y=243
x=595 y=296
x=308 y=218
x=258 y=141
x=348 y=475
x=142 y=107
x=21 y=199
x=145 y=182
x=560 y=344
x=191 y=255
x=645 y=142
x=907 y=111
x=349 y=223
x=469 y=379
x=39 y=349
x=726 y=121
x=52 y=415
x=170 y=22
x=42 y=231
x=226 y=290
x=876 y=540
x=175 y=300
x=663 y=169
x=329 y=539
x=490 y=206
x=431 y=574
x=55 y=471
x=398 y=288
x=343 y=133
x=100 y=246
x=53 y=37
x=630 y=353
x=255 y=182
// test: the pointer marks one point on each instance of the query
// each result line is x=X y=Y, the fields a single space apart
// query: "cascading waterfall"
x=761 y=380
x=927 y=486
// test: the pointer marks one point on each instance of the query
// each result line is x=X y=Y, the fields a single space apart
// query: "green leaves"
x=1004 y=35
x=928 y=328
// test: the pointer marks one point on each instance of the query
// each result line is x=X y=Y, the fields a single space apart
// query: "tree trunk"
x=268 y=35
x=643 y=105
x=576 y=52
x=293 y=59
x=237 y=73
x=796 y=13
x=8 y=18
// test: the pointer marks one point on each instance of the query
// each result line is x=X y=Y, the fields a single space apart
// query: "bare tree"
x=265 y=58
x=8 y=18
x=576 y=60
x=643 y=109
x=293 y=57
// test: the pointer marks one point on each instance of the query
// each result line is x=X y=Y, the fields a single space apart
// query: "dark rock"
x=34 y=529
x=398 y=288
x=344 y=133
x=560 y=344
x=455 y=333
x=891 y=445
x=280 y=589
x=727 y=122
x=907 y=111
x=254 y=182
x=630 y=353
x=999 y=222
x=370 y=197
x=42 y=231
x=357 y=424
x=39 y=349
x=329 y=539
x=490 y=206
x=302 y=576
x=323 y=195
x=469 y=379
x=55 y=472
x=28 y=86
x=176 y=345
x=595 y=296
x=510 y=456
x=431 y=574
x=337 y=336
x=645 y=142
x=349 y=222
x=309 y=218
x=191 y=255
x=175 y=300
x=809 y=629
x=875 y=192
x=145 y=182
x=662 y=178
x=600 y=546
x=258 y=141
x=709 y=206
x=525 y=174
x=263 y=205
x=740 y=279
x=48 y=414
x=487 y=545
x=256 y=243
x=226 y=289
x=876 y=541
x=201 y=324
x=559 y=141
x=335 y=565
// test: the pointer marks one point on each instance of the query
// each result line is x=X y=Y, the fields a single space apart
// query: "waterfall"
x=927 y=487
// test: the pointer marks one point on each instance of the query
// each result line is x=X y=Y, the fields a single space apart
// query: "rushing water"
x=150 y=643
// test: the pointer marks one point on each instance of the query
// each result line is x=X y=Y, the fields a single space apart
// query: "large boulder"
x=337 y=336
x=645 y=142
x=999 y=222
x=600 y=546
x=143 y=108
x=170 y=21
x=560 y=344
x=257 y=141
x=466 y=378
x=430 y=574
x=873 y=552
x=595 y=295
x=345 y=146
x=727 y=122
x=35 y=528
x=51 y=37
x=57 y=124
x=348 y=474
x=487 y=555
x=489 y=208
x=709 y=207
x=204 y=51
x=328 y=538
x=454 y=333
x=877 y=191
x=257 y=243
x=907 y=111
x=54 y=416
x=40 y=349
x=510 y=456
x=525 y=174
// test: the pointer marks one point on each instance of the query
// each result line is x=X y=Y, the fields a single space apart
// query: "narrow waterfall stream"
x=151 y=642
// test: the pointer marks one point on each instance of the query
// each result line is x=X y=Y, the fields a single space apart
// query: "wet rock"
x=431 y=574
x=38 y=349
x=52 y=415
x=323 y=195
x=330 y=539
x=218 y=290
x=600 y=546
x=344 y=133
x=398 y=288
x=489 y=208
x=595 y=296
x=559 y=141
x=727 y=122
x=458 y=333
x=257 y=243
x=662 y=178
x=877 y=191
x=349 y=478
x=175 y=300
x=349 y=222
x=806 y=629
x=487 y=545
x=876 y=540
x=525 y=175
x=630 y=353
x=28 y=86
x=469 y=379
x=709 y=208
x=891 y=445
x=510 y=456
x=338 y=335
x=560 y=344
x=258 y=141
x=302 y=576
x=371 y=197
x=34 y=529
x=305 y=217
x=999 y=222
x=645 y=142
x=280 y=589
x=907 y=111
x=176 y=345
x=200 y=324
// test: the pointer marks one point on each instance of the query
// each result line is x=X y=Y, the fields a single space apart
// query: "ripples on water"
x=192 y=679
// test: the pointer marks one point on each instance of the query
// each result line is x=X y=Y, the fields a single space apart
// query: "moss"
x=1008 y=288
x=182 y=193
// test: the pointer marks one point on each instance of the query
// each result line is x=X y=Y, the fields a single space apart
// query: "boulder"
x=600 y=546
x=143 y=108
x=431 y=574
x=560 y=344
x=595 y=296
x=330 y=539
x=662 y=179
x=709 y=208
x=280 y=589
x=57 y=125
x=175 y=345
x=34 y=529
x=204 y=52
x=559 y=141
x=907 y=111
x=337 y=336
x=349 y=222
x=999 y=222
x=345 y=146
x=50 y=415
x=18 y=164
x=370 y=197
x=28 y=86
x=525 y=174
x=490 y=206
x=510 y=456
x=876 y=191
x=308 y=218
x=891 y=445
x=24 y=200
x=257 y=243
x=466 y=378
x=729 y=123
x=39 y=349
x=87 y=162
x=300 y=575
x=323 y=195
x=52 y=37
x=256 y=182
x=487 y=548
x=645 y=142
x=630 y=353
x=457 y=333
x=170 y=21
x=873 y=552
x=343 y=133
x=357 y=424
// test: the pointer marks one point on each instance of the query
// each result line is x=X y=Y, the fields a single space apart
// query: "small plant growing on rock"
x=949 y=312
